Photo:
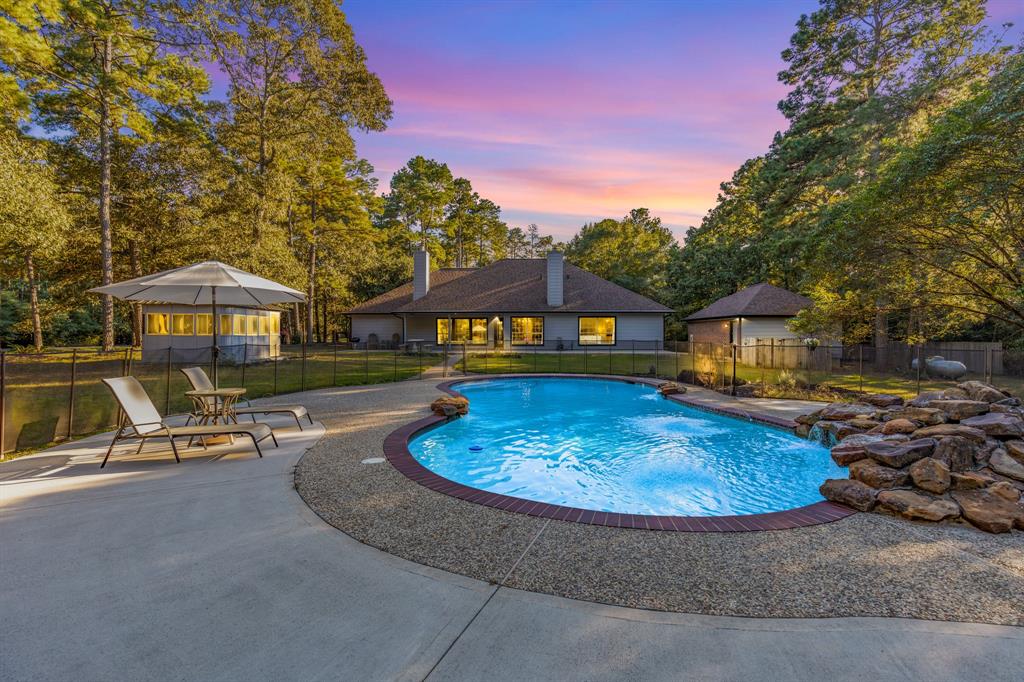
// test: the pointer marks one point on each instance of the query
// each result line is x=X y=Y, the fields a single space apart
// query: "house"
x=528 y=303
x=760 y=311
x=244 y=334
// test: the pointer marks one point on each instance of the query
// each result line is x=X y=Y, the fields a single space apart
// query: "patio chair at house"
x=142 y=421
x=201 y=382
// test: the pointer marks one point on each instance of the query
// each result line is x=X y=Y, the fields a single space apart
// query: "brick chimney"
x=556 y=279
x=420 y=274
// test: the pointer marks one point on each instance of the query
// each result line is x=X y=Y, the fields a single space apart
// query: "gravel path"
x=865 y=565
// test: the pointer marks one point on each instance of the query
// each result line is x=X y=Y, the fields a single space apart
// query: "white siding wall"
x=384 y=326
x=765 y=328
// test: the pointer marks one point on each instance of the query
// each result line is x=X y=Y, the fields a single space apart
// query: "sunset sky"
x=563 y=113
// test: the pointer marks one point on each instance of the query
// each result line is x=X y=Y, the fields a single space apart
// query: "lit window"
x=275 y=323
x=527 y=331
x=238 y=325
x=225 y=325
x=182 y=325
x=479 y=330
x=158 y=324
x=462 y=330
x=254 y=324
x=204 y=324
x=597 y=331
x=264 y=325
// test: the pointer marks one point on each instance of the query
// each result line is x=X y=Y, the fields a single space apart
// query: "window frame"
x=166 y=325
x=615 y=330
x=204 y=315
x=451 y=328
x=512 y=330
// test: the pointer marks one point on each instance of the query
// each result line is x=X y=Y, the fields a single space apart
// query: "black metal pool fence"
x=56 y=395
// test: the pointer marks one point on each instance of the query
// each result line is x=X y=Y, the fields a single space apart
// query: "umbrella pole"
x=216 y=348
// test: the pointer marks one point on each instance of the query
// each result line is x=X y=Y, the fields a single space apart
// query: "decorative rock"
x=979 y=390
x=960 y=409
x=897 y=438
x=1005 y=490
x=931 y=475
x=862 y=439
x=913 y=505
x=851 y=493
x=671 y=388
x=809 y=419
x=881 y=399
x=899 y=426
x=844 y=411
x=1015 y=448
x=802 y=430
x=449 y=406
x=969 y=480
x=926 y=415
x=997 y=425
x=1002 y=463
x=990 y=511
x=829 y=433
x=898 y=455
x=925 y=398
x=845 y=455
x=1009 y=402
x=941 y=430
x=956 y=452
x=955 y=394
x=1006 y=409
x=875 y=475
x=863 y=423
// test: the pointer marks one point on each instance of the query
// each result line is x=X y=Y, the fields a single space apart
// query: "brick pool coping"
x=396 y=449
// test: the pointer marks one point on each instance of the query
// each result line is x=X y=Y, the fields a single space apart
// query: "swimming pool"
x=619 y=447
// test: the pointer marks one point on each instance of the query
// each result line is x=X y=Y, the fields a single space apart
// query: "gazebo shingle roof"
x=510 y=285
x=759 y=300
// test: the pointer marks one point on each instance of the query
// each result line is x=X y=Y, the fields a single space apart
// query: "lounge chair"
x=142 y=421
x=200 y=382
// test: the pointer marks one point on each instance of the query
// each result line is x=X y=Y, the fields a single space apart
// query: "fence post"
x=657 y=361
x=586 y=361
x=633 y=364
x=988 y=365
x=303 y=380
x=366 y=365
x=465 y=363
x=71 y=391
x=167 y=384
x=919 y=369
x=245 y=360
x=3 y=399
x=277 y=361
x=419 y=359
x=734 y=369
x=334 y=367
x=860 y=365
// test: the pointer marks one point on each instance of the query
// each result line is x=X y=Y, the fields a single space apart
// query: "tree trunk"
x=33 y=298
x=136 y=265
x=106 y=239
x=311 y=274
x=323 y=312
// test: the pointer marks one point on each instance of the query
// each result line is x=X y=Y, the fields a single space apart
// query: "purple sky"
x=567 y=112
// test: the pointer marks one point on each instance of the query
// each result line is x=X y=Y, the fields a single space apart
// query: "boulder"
x=829 y=433
x=863 y=423
x=970 y=480
x=926 y=415
x=1002 y=463
x=997 y=425
x=1015 y=449
x=956 y=453
x=671 y=388
x=845 y=455
x=897 y=438
x=809 y=419
x=960 y=409
x=450 y=406
x=1007 y=409
x=851 y=493
x=1009 y=402
x=942 y=430
x=844 y=411
x=898 y=455
x=881 y=400
x=990 y=511
x=872 y=473
x=931 y=475
x=1005 y=490
x=863 y=439
x=924 y=398
x=911 y=505
x=955 y=394
x=979 y=390
x=802 y=430
x=899 y=426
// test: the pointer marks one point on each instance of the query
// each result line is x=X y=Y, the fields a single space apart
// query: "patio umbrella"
x=207 y=283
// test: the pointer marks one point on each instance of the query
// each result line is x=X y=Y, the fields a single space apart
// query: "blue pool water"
x=613 y=446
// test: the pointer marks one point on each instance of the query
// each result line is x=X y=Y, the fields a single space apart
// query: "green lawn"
x=40 y=409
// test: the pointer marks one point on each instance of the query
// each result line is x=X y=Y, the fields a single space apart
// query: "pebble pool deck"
x=860 y=565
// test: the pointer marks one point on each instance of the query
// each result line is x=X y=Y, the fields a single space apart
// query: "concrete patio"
x=216 y=569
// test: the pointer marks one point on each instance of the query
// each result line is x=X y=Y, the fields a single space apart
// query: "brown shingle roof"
x=511 y=285
x=759 y=300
